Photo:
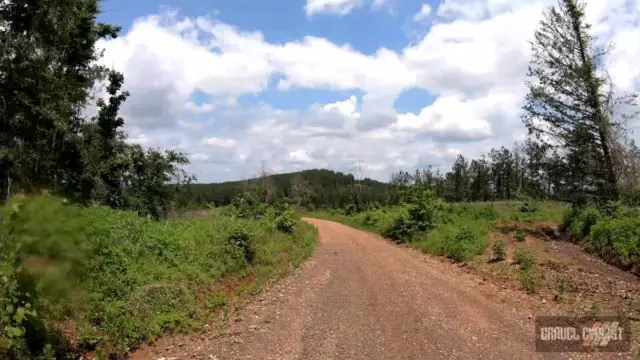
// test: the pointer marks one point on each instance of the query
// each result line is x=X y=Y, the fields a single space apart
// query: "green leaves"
x=48 y=67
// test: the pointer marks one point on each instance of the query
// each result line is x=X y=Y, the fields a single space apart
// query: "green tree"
x=458 y=181
x=480 y=173
x=48 y=70
x=570 y=97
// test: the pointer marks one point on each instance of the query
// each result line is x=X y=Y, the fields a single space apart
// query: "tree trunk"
x=599 y=117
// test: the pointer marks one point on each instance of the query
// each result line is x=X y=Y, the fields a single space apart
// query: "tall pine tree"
x=568 y=98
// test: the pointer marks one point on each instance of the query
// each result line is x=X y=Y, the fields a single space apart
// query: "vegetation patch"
x=498 y=249
x=114 y=279
x=613 y=233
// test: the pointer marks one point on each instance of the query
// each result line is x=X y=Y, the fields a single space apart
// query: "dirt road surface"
x=361 y=297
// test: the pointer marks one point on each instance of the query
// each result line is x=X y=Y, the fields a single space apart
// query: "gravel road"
x=361 y=297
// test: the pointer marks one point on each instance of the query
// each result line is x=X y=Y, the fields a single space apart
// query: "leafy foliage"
x=617 y=240
x=401 y=230
x=579 y=221
x=462 y=244
x=421 y=217
x=48 y=71
x=117 y=278
x=246 y=206
x=244 y=242
x=285 y=219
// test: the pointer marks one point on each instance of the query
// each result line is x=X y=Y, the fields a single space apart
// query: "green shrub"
x=243 y=242
x=370 y=220
x=421 y=217
x=350 y=209
x=401 y=230
x=525 y=258
x=520 y=236
x=463 y=244
x=424 y=216
x=617 y=241
x=498 y=249
x=246 y=206
x=579 y=221
x=285 y=223
x=120 y=279
x=284 y=219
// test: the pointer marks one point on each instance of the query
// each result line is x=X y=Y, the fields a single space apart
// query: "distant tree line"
x=49 y=81
x=531 y=170
x=310 y=189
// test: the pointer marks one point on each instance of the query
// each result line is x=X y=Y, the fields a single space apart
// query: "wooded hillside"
x=308 y=188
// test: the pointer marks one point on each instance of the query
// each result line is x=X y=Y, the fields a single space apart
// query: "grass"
x=107 y=280
x=463 y=228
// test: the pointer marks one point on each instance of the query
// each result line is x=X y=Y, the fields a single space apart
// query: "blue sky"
x=296 y=84
x=285 y=20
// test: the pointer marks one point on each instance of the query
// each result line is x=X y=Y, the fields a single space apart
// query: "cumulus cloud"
x=423 y=13
x=472 y=59
x=338 y=7
x=218 y=142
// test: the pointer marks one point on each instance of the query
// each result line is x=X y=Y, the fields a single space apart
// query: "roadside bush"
x=350 y=209
x=246 y=206
x=529 y=280
x=285 y=222
x=617 y=241
x=424 y=216
x=370 y=220
x=400 y=231
x=498 y=250
x=243 y=242
x=463 y=244
x=579 y=221
x=114 y=279
x=421 y=217
x=528 y=272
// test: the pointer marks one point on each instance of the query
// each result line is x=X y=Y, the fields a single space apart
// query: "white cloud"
x=300 y=156
x=339 y=7
x=451 y=117
x=223 y=143
x=472 y=59
x=347 y=108
x=199 y=108
x=199 y=157
x=423 y=13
